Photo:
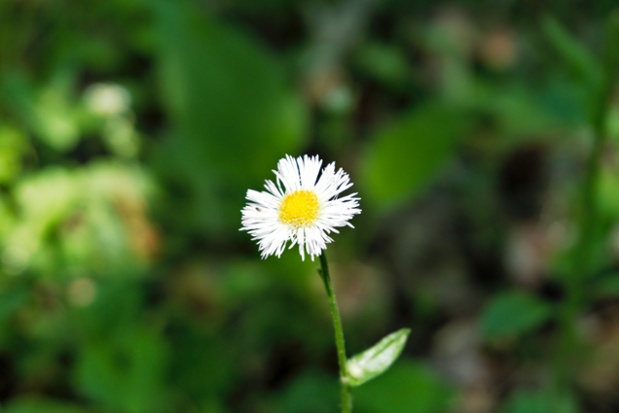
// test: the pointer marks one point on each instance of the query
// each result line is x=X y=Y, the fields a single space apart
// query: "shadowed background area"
x=130 y=131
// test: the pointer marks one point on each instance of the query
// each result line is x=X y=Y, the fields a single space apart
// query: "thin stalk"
x=599 y=120
x=339 y=334
x=583 y=252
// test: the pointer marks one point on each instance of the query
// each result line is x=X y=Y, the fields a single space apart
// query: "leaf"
x=409 y=387
x=124 y=373
x=375 y=360
x=48 y=111
x=404 y=156
x=540 y=401
x=227 y=99
x=604 y=285
x=12 y=299
x=32 y=404
x=577 y=57
x=386 y=63
x=513 y=313
x=308 y=385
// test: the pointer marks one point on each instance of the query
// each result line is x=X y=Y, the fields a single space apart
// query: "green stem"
x=599 y=120
x=583 y=252
x=339 y=334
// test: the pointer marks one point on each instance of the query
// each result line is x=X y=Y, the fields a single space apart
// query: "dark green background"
x=130 y=131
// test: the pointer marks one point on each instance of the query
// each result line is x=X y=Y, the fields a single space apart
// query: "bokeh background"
x=130 y=131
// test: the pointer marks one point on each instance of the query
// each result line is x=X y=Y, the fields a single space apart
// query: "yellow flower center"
x=299 y=208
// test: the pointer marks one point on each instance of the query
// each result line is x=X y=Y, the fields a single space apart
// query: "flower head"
x=302 y=206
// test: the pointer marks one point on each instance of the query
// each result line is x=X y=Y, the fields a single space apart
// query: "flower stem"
x=339 y=334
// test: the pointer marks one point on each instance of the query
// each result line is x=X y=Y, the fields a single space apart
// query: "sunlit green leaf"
x=83 y=205
x=49 y=112
x=12 y=145
x=378 y=358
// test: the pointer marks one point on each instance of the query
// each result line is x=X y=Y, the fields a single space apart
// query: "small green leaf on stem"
x=377 y=359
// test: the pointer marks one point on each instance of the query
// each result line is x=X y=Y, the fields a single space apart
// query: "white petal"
x=260 y=217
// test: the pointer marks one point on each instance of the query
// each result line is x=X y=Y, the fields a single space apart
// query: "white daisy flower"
x=302 y=207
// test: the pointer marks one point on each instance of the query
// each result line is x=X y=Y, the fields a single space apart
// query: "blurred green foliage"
x=512 y=314
x=130 y=131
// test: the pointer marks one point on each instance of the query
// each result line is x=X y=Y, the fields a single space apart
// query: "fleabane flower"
x=302 y=207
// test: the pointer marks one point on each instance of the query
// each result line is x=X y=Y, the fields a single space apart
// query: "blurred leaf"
x=43 y=200
x=110 y=232
x=384 y=62
x=47 y=196
x=125 y=374
x=234 y=114
x=244 y=281
x=404 y=156
x=98 y=212
x=512 y=313
x=13 y=297
x=11 y=300
x=612 y=125
x=539 y=401
x=407 y=387
x=377 y=359
x=7 y=218
x=39 y=405
x=49 y=111
x=605 y=285
x=310 y=392
x=124 y=295
x=522 y=113
x=608 y=194
x=205 y=365
x=12 y=146
x=577 y=58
